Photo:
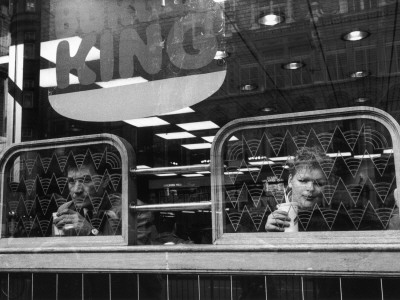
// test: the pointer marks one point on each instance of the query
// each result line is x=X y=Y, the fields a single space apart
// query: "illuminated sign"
x=102 y=43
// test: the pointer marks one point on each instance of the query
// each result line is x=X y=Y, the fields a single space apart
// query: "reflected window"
x=27 y=101
x=29 y=36
x=30 y=6
x=29 y=51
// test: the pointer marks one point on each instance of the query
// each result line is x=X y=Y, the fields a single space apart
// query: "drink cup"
x=56 y=231
x=292 y=209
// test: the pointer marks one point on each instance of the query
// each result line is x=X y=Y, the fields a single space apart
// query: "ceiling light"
x=261 y=163
x=193 y=175
x=197 y=146
x=176 y=135
x=141 y=167
x=147 y=122
x=211 y=138
x=185 y=110
x=388 y=151
x=360 y=74
x=166 y=174
x=198 y=126
x=340 y=154
x=271 y=19
x=294 y=65
x=248 y=169
x=121 y=82
x=281 y=158
x=361 y=100
x=248 y=87
x=221 y=54
x=233 y=173
x=355 y=35
x=267 y=109
x=367 y=156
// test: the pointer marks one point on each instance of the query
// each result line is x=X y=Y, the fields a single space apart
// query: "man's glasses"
x=83 y=179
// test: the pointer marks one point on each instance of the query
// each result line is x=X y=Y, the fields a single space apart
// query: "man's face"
x=307 y=185
x=81 y=185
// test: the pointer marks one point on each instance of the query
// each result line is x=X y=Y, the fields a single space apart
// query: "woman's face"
x=307 y=185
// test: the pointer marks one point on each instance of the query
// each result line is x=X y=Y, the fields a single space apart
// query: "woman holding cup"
x=304 y=190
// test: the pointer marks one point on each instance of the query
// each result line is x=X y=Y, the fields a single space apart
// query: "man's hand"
x=277 y=221
x=72 y=223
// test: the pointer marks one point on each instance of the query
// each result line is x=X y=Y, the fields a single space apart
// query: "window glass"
x=330 y=176
x=72 y=191
x=147 y=70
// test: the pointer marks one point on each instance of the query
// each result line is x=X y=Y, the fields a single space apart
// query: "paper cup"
x=292 y=209
x=56 y=231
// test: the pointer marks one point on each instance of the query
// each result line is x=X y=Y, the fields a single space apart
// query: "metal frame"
x=306 y=239
x=128 y=192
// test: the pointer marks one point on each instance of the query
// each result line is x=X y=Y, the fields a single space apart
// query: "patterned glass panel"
x=39 y=184
x=358 y=176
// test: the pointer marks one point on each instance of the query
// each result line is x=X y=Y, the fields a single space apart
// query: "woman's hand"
x=277 y=221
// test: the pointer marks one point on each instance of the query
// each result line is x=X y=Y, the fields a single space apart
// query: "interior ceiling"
x=313 y=36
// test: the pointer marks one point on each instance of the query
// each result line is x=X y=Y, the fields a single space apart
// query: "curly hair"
x=312 y=157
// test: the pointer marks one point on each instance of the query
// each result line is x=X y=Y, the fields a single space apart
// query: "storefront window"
x=167 y=76
x=324 y=176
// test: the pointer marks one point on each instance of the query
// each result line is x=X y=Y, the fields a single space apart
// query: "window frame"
x=128 y=192
x=356 y=240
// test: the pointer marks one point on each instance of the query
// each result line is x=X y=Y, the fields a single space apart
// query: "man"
x=75 y=217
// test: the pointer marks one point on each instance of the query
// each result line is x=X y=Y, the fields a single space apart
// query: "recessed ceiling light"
x=198 y=126
x=294 y=65
x=221 y=54
x=355 y=35
x=176 y=135
x=197 y=146
x=267 y=109
x=362 y=100
x=248 y=87
x=360 y=74
x=388 y=151
x=147 y=122
x=271 y=19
